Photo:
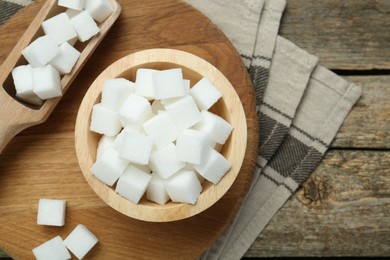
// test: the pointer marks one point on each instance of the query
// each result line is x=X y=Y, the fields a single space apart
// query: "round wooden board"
x=41 y=162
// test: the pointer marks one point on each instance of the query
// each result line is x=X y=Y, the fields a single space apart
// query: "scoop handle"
x=7 y=132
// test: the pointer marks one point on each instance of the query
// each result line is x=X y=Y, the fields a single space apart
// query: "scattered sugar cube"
x=99 y=9
x=157 y=106
x=51 y=212
x=59 y=28
x=84 y=25
x=53 y=249
x=72 y=12
x=214 y=168
x=47 y=82
x=66 y=59
x=217 y=127
x=144 y=83
x=23 y=81
x=164 y=161
x=115 y=91
x=192 y=146
x=133 y=183
x=80 y=241
x=168 y=83
x=156 y=191
x=105 y=142
x=184 y=112
x=105 y=121
x=72 y=4
x=109 y=167
x=41 y=51
x=161 y=129
x=186 y=85
x=135 y=111
x=205 y=94
x=184 y=186
x=136 y=148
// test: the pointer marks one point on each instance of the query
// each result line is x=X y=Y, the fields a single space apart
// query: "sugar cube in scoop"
x=24 y=85
x=99 y=9
x=184 y=186
x=73 y=4
x=115 y=91
x=59 y=28
x=41 y=51
x=164 y=161
x=51 y=212
x=184 y=112
x=66 y=59
x=109 y=167
x=53 y=249
x=133 y=183
x=214 y=168
x=84 y=25
x=105 y=121
x=80 y=241
x=47 y=82
x=168 y=83
x=156 y=191
x=205 y=94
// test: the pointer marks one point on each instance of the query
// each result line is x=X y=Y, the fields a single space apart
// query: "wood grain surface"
x=41 y=163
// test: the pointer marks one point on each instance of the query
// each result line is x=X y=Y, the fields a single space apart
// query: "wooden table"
x=343 y=209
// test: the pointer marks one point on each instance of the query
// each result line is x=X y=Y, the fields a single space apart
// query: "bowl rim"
x=153 y=212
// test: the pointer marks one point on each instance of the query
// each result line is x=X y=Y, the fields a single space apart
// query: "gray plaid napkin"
x=10 y=7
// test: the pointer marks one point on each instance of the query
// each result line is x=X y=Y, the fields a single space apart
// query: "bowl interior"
x=228 y=107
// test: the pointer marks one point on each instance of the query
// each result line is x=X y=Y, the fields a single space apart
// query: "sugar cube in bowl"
x=228 y=107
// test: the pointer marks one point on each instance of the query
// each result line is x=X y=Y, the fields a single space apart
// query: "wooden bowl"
x=228 y=107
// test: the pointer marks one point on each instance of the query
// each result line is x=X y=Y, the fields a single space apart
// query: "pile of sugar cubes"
x=80 y=241
x=52 y=55
x=159 y=137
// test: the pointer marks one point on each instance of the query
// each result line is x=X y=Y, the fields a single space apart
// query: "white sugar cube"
x=186 y=85
x=105 y=142
x=41 y=51
x=136 y=148
x=164 y=161
x=157 y=106
x=184 y=112
x=72 y=12
x=205 y=94
x=214 y=168
x=66 y=59
x=184 y=186
x=59 y=28
x=105 y=121
x=23 y=81
x=144 y=168
x=53 y=249
x=156 y=191
x=192 y=146
x=161 y=129
x=133 y=183
x=72 y=4
x=109 y=167
x=80 y=241
x=115 y=91
x=135 y=111
x=51 y=212
x=99 y=9
x=217 y=127
x=168 y=83
x=84 y=26
x=118 y=143
x=144 y=83
x=47 y=82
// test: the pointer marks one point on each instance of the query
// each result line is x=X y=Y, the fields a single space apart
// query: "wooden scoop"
x=15 y=115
